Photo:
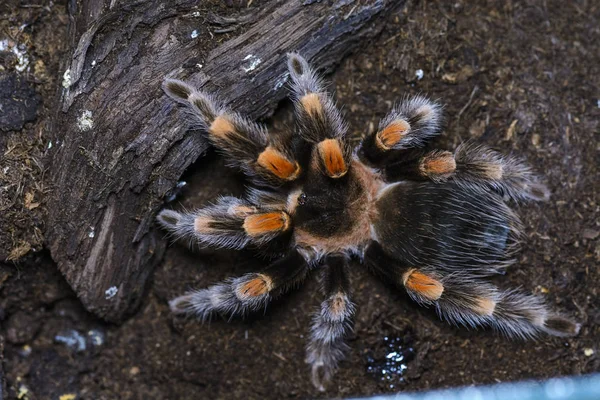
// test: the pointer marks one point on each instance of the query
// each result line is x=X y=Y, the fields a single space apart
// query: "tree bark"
x=120 y=145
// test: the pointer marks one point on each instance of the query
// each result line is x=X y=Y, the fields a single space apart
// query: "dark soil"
x=521 y=77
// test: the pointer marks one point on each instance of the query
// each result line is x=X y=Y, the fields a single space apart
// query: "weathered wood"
x=120 y=144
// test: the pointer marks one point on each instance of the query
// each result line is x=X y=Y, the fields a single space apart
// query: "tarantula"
x=433 y=222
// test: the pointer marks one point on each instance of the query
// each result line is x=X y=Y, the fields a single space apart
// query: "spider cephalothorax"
x=433 y=222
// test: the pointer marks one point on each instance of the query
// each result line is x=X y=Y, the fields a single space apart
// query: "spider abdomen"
x=443 y=225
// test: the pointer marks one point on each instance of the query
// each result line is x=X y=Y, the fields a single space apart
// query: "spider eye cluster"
x=302 y=199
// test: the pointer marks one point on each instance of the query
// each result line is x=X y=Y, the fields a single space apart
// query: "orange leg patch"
x=260 y=224
x=272 y=160
x=242 y=211
x=423 y=285
x=255 y=287
x=492 y=171
x=392 y=134
x=332 y=156
x=202 y=224
x=221 y=127
x=425 y=112
x=438 y=164
x=484 y=306
x=338 y=305
x=312 y=105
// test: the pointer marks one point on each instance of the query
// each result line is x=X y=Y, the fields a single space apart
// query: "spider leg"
x=472 y=303
x=230 y=223
x=464 y=300
x=480 y=167
x=331 y=324
x=401 y=134
x=244 y=294
x=267 y=158
x=320 y=122
x=473 y=167
x=421 y=165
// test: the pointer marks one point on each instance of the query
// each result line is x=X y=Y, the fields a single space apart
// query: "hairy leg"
x=473 y=167
x=421 y=165
x=229 y=223
x=331 y=324
x=402 y=133
x=264 y=157
x=462 y=299
x=248 y=293
x=480 y=167
x=320 y=122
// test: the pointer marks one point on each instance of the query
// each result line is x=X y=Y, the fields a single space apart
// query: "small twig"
x=393 y=37
x=444 y=13
x=350 y=13
x=226 y=30
x=396 y=327
x=475 y=89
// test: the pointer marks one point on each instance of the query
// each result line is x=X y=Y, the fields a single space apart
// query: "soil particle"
x=21 y=327
x=590 y=234
x=19 y=102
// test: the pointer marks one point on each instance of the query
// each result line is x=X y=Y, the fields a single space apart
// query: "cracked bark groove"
x=119 y=143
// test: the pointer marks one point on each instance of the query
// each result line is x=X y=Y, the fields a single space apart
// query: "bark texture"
x=120 y=145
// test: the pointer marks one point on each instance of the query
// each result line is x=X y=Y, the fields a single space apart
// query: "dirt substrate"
x=522 y=77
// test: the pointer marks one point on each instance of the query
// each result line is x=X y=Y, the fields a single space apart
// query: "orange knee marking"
x=259 y=224
x=278 y=164
x=484 y=306
x=255 y=287
x=492 y=171
x=312 y=104
x=438 y=164
x=422 y=284
x=425 y=112
x=202 y=224
x=242 y=211
x=338 y=304
x=392 y=134
x=332 y=156
x=221 y=127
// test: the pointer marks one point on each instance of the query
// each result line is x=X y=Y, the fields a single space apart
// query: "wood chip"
x=464 y=74
x=29 y=203
x=510 y=132
x=19 y=251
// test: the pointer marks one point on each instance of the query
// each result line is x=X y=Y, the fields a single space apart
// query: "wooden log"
x=120 y=145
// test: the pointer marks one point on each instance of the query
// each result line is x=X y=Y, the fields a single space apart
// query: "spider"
x=433 y=222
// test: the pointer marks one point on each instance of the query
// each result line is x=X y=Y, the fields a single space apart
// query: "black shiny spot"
x=302 y=199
